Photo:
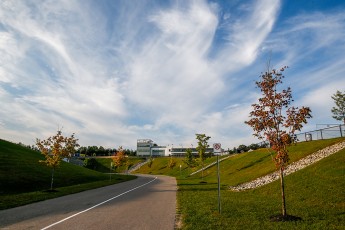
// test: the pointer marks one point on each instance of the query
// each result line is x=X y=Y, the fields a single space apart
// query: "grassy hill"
x=316 y=193
x=21 y=173
x=239 y=168
x=103 y=164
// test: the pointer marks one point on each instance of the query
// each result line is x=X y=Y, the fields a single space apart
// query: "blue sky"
x=117 y=71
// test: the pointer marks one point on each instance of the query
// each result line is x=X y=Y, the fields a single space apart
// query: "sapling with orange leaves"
x=274 y=120
x=55 y=148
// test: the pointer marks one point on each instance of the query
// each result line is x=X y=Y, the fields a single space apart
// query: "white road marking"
x=97 y=205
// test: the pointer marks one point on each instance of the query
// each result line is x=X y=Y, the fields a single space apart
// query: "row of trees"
x=58 y=147
x=245 y=148
x=101 y=151
x=118 y=160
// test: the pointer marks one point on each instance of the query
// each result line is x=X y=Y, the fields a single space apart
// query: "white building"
x=147 y=148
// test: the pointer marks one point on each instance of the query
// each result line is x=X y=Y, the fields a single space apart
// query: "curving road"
x=148 y=202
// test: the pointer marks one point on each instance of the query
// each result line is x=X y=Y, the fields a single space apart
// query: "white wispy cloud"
x=114 y=72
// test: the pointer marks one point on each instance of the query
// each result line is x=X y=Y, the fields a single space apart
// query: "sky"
x=113 y=72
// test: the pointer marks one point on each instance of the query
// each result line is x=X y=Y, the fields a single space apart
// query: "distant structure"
x=147 y=148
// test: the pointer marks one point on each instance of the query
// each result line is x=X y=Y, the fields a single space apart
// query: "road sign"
x=217 y=148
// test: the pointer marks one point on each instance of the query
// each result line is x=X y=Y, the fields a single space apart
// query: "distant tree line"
x=101 y=151
x=92 y=150
x=245 y=148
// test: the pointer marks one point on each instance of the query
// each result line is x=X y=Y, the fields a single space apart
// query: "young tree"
x=120 y=158
x=150 y=162
x=339 y=110
x=56 y=148
x=201 y=148
x=171 y=163
x=189 y=161
x=273 y=120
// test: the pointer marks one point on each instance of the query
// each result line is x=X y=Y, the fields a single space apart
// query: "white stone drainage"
x=295 y=166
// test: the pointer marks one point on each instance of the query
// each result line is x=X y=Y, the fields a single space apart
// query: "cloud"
x=114 y=72
x=246 y=34
x=62 y=81
x=165 y=81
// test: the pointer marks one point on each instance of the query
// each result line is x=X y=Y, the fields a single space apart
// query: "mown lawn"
x=248 y=166
x=316 y=194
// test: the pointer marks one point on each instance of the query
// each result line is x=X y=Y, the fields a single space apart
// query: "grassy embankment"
x=316 y=193
x=104 y=165
x=24 y=180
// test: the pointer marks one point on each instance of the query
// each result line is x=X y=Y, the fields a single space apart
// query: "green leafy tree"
x=339 y=110
x=55 y=148
x=242 y=148
x=190 y=160
x=201 y=148
x=273 y=119
x=254 y=146
x=90 y=163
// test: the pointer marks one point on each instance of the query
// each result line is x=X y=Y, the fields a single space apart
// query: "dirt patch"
x=281 y=218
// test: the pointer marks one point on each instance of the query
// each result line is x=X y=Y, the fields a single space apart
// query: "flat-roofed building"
x=181 y=151
x=147 y=148
x=144 y=147
x=159 y=151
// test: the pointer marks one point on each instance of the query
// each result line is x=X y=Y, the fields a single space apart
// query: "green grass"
x=19 y=199
x=316 y=193
x=160 y=167
x=23 y=179
x=248 y=166
x=104 y=164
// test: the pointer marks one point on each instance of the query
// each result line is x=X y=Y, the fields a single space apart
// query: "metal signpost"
x=111 y=166
x=217 y=150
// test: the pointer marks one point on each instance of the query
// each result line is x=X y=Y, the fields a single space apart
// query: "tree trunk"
x=52 y=181
x=282 y=191
x=202 y=171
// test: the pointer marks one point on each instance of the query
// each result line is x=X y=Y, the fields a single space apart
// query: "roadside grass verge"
x=316 y=194
x=19 y=199
x=23 y=179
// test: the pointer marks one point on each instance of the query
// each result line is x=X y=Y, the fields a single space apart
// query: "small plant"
x=202 y=146
x=190 y=160
x=90 y=163
x=150 y=162
x=172 y=163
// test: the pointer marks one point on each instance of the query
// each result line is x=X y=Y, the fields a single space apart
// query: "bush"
x=90 y=163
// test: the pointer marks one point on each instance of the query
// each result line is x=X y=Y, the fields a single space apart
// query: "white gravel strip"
x=295 y=166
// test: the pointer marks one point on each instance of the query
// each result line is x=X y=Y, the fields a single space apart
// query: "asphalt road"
x=148 y=202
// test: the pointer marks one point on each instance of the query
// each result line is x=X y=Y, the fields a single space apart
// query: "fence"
x=325 y=133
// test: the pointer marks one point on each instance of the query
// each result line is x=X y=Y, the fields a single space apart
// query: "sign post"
x=217 y=150
x=111 y=166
